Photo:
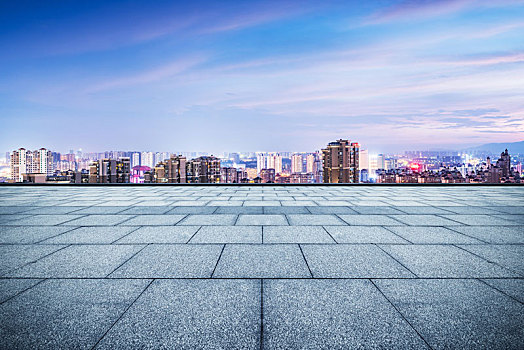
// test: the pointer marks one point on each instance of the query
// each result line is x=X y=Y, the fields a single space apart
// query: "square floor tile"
x=153 y=220
x=29 y=234
x=191 y=314
x=78 y=261
x=69 y=314
x=228 y=234
x=214 y=220
x=425 y=220
x=364 y=234
x=99 y=220
x=444 y=261
x=312 y=220
x=90 y=235
x=261 y=261
x=370 y=220
x=171 y=261
x=332 y=314
x=432 y=235
x=509 y=256
x=494 y=234
x=268 y=219
x=15 y=256
x=458 y=314
x=159 y=234
x=296 y=234
x=352 y=261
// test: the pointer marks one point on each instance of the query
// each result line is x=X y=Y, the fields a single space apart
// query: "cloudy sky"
x=269 y=75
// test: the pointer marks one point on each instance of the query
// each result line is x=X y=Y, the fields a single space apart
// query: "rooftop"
x=262 y=267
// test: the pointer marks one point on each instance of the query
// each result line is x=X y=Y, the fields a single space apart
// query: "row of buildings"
x=342 y=161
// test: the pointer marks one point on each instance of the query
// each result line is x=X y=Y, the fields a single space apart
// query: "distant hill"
x=513 y=147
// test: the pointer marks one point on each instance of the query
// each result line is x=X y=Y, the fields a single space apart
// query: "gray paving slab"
x=331 y=210
x=332 y=314
x=14 y=210
x=191 y=314
x=425 y=220
x=510 y=209
x=314 y=220
x=78 y=261
x=98 y=220
x=296 y=234
x=159 y=234
x=458 y=314
x=29 y=234
x=14 y=256
x=370 y=220
x=12 y=287
x=352 y=261
x=382 y=210
x=493 y=234
x=470 y=210
x=261 y=261
x=422 y=210
x=228 y=234
x=445 y=261
x=144 y=210
x=53 y=210
x=480 y=220
x=214 y=220
x=90 y=235
x=239 y=210
x=153 y=220
x=267 y=219
x=509 y=256
x=38 y=220
x=171 y=261
x=100 y=210
x=364 y=234
x=65 y=314
x=192 y=210
x=286 y=210
x=513 y=287
x=432 y=235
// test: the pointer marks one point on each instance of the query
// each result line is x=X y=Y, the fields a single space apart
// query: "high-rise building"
x=176 y=169
x=205 y=169
x=24 y=161
x=296 y=163
x=363 y=158
x=148 y=159
x=274 y=161
x=261 y=162
x=341 y=162
x=135 y=159
x=310 y=163
x=110 y=171
x=233 y=175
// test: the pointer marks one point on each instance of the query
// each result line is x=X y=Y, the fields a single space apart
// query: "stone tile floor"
x=272 y=267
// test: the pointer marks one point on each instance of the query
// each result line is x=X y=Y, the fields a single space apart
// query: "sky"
x=219 y=76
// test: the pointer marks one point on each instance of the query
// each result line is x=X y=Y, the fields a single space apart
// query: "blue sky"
x=270 y=75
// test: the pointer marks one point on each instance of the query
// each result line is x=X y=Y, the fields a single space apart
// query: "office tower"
x=363 y=160
x=341 y=162
x=148 y=159
x=24 y=161
x=296 y=163
x=110 y=171
x=381 y=162
x=504 y=163
x=267 y=175
x=310 y=163
x=274 y=161
x=135 y=159
x=261 y=162
x=205 y=169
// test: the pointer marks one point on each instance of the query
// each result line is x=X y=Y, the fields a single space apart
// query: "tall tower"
x=341 y=162
x=296 y=163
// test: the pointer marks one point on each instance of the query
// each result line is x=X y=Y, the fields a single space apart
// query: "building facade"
x=341 y=162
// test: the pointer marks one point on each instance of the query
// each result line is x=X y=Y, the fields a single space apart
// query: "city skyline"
x=263 y=76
